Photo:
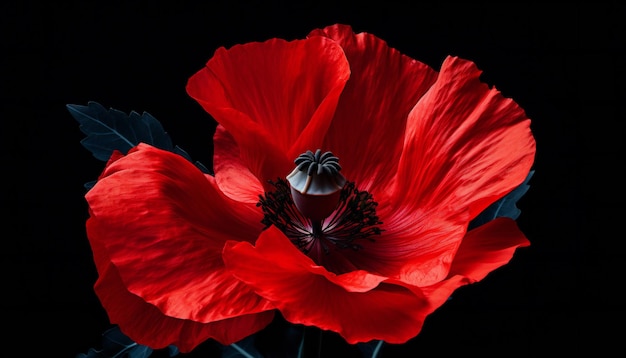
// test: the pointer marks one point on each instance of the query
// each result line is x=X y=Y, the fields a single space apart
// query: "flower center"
x=317 y=208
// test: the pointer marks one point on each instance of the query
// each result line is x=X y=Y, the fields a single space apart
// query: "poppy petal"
x=358 y=305
x=163 y=224
x=147 y=325
x=367 y=131
x=255 y=89
x=231 y=175
x=415 y=247
x=465 y=147
x=488 y=247
x=482 y=251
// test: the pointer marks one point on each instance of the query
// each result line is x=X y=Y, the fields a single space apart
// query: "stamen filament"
x=353 y=219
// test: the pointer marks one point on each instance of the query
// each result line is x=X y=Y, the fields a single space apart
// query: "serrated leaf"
x=505 y=207
x=116 y=344
x=180 y=151
x=109 y=130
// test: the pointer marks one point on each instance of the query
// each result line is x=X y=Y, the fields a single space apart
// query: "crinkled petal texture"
x=464 y=147
x=275 y=98
x=150 y=327
x=188 y=253
x=157 y=227
x=359 y=305
x=366 y=132
x=434 y=148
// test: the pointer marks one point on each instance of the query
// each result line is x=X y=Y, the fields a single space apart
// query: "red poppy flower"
x=184 y=256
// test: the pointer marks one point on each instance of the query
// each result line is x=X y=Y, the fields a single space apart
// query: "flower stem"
x=242 y=351
x=377 y=349
x=319 y=344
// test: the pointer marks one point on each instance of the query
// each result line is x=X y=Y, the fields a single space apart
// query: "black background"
x=562 y=62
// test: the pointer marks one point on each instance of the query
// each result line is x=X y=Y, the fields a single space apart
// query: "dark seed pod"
x=316 y=183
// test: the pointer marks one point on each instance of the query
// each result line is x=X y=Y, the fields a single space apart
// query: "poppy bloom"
x=346 y=175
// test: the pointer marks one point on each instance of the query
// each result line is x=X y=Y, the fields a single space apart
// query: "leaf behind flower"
x=245 y=348
x=505 y=207
x=110 y=130
x=116 y=344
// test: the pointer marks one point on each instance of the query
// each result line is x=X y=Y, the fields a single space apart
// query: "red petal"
x=466 y=145
x=163 y=224
x=482 y=251
x=275 y=98
x=147 y=325
x=367 y=131
x=231 y=174
x=416 y=248
x=425 y=244
x=487 y=247
x=357 y=305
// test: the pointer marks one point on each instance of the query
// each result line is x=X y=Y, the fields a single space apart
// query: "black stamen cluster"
x=354 y=218
x=279 y=210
